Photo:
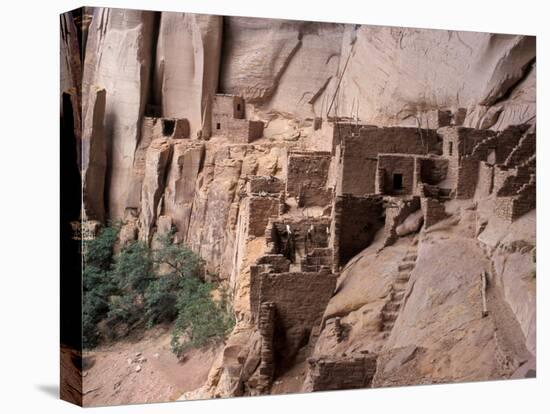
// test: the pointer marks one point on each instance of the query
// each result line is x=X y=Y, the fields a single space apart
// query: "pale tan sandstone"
x=156 y=161
x=94 y=157
x=187 y=66
x=118 y=58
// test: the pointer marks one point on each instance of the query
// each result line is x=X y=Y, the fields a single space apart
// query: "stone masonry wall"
x=307 y=175
x=525 y=148
x=468 y=172
x=361 y=147
x=355 y=222
x=300 y=300
x=261 y=209
x=305 y=235
x=264 y=184
x=270 y=263
x=228 y=105
x=341 y=373
x=434 y=211
x=390 y=164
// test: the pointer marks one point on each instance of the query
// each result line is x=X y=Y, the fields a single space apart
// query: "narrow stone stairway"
x=399 y=285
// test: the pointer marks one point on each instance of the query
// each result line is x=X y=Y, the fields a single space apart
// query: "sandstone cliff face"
x=438 y=334
x=268 y=62
x=187 y=66
x=292 y=70
x=412 y=70
x=119 y=58
x=268 y=209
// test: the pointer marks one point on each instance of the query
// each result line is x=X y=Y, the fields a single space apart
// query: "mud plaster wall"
x=272 y=263
x=362 y=146
x=388 y=165
x=307 y=176
x=326 y=374
x=261 y=209
x=467 y=176
x=300 y=300
x=228 y=105
x=433 y=210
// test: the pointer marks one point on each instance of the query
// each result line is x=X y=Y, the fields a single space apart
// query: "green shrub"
x=133 y=268
x=173 y=263
x=175 y=260
x=144 y=287
x=200 y=319
x=99 y=251
x=97 y=283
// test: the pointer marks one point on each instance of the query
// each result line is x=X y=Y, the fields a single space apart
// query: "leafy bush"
x=173 y=263
x=133 y=268
x=99 y=251
x=200 y=319
x=160 y=301
x=97 y=282
x=144 y=287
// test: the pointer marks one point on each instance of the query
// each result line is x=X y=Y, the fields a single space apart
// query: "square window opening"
x=168 y=126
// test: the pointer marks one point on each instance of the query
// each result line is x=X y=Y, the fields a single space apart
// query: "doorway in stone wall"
x=398 y=182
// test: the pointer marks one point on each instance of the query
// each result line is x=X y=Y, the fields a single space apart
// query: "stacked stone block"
x=341 y=373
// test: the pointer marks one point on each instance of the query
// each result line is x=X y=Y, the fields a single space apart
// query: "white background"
x=29 y=206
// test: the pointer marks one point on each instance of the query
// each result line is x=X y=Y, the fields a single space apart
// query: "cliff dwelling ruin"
x=348 y=239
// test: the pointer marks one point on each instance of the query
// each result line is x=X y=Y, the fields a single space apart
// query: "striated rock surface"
x=119 y=59
x=414 y=70
x=268 y=62
x=187 y=159
x=187 y=67
x=156 y=160
x=94 y=157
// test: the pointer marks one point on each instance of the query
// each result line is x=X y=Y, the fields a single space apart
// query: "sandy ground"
x=142 y=371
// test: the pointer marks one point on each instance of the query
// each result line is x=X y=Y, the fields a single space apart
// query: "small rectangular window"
x=168 y=126
x=218 y=126
x=450 y=148
x=238 y=107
